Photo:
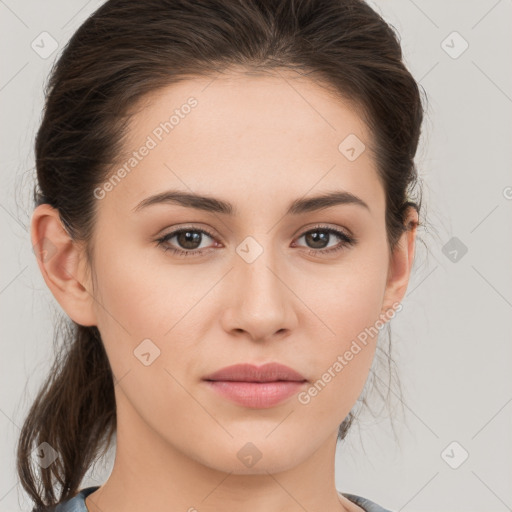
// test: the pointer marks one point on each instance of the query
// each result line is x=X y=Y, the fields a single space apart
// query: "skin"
x=259 y=142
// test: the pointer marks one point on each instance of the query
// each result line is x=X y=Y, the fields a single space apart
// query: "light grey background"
x=452 y=341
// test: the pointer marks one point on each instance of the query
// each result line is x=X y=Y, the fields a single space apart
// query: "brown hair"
x=127 y=49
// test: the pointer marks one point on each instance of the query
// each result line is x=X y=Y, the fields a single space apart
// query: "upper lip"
x=269 y=372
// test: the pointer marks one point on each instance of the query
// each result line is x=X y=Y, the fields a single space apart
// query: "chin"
x=248 y=458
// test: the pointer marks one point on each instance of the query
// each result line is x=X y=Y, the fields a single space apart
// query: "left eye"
x=318 y=237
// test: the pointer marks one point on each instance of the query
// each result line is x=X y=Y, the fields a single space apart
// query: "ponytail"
x=71 y=419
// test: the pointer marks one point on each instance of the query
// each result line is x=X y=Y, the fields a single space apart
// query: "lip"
x=256 y=386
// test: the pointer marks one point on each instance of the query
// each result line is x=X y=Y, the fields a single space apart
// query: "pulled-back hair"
x=127 y=49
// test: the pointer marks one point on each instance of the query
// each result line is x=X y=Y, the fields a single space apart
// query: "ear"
x=401 y=262
x=62 y=263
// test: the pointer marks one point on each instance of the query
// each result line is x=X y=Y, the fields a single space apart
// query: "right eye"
x=189 y=239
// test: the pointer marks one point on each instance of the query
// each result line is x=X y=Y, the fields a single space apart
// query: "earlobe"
x=60 y=261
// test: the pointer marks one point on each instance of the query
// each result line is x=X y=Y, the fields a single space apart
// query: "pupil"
x=318 y=238
x=188 y=238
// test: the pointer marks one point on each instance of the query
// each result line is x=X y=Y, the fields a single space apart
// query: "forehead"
x=239 y=137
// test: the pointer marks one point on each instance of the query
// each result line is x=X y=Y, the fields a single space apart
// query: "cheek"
x=127 y=305
x=349 y=305
x=139 y=297
x=144 y=309
x=139 y=306
x=350 y=297
x=342 y=360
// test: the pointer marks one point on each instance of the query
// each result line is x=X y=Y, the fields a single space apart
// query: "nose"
x=261 y=306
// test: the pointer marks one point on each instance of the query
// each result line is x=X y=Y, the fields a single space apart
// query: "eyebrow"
x=215 y=205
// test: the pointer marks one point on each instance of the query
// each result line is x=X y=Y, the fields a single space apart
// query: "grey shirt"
x=77 y=503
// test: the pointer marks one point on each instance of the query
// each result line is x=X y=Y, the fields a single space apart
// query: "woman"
x=223 y=213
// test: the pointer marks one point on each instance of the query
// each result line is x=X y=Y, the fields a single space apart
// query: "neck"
x=152 y=474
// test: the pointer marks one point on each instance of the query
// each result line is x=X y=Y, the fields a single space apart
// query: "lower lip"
x=257 y=395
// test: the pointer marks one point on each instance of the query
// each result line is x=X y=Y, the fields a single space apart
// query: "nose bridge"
x=258 y=277
x=261 y=303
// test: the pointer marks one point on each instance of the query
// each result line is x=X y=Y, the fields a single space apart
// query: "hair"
x=127 y=49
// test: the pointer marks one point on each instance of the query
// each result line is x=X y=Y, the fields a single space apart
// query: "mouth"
x=256 y=387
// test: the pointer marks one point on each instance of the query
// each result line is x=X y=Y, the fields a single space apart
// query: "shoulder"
x=366 y=504
x=76 y=503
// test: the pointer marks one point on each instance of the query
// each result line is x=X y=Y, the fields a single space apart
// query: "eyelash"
x=347 y=241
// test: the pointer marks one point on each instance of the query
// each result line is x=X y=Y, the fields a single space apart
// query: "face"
x=260 y=273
